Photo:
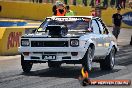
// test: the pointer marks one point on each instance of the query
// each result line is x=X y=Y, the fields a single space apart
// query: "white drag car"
x=70 y=40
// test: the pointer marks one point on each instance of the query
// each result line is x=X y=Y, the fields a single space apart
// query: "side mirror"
x=34 y=30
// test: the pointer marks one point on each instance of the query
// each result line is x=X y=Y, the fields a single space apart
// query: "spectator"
x=91 y=3
x=58 y=2
x=33 y=1
x=116 y=19
x=40 y=1
x=112 y=3
x=118 y=3
x=84 y=2
x=123 y=4
x=65 y=2
x=105 y=3
x=74 y=2
x=60 y=11
x=130 y=3
x=93 y=13
x=52 y=1
x=69 y=12
x=54 y=10
x=97 y=2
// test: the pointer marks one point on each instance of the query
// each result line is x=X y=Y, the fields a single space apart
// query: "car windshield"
x=73 y=24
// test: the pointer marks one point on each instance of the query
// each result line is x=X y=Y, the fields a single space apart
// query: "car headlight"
x=25 y=42
x=74 y=42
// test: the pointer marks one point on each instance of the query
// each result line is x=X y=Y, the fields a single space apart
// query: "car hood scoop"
x=57 y=30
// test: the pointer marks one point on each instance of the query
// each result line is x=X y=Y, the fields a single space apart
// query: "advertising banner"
x=127 y=18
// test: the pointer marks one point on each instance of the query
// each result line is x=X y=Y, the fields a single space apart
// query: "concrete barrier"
x=10 y=39
x=37 y=11
x=25 y=10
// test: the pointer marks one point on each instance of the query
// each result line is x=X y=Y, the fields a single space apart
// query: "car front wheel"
x=87 y=60
x=26 y=65
x=109 y=62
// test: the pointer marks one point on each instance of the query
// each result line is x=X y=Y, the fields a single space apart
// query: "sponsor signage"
x=127 y=18
x=13 y=39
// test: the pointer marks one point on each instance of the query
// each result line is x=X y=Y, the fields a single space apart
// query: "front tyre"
x=87 y=60
x=26 y=65
x=109 y=62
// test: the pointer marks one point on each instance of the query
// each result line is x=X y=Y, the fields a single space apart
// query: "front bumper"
x=53 y=49
x=61 y=54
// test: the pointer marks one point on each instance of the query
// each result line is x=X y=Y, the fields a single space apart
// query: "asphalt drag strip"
x=12 y=76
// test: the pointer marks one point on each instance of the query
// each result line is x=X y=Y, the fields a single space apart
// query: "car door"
x=97 y=38
x=105 y=36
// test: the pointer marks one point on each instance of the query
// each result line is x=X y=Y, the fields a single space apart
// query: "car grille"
x=49 y=43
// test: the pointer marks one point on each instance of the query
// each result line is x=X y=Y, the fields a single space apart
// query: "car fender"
x=111 y=45
x=88 y=42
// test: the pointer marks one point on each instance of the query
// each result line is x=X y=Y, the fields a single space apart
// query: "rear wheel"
x=26 y=65
x=87 y=60
x=109 y=62
x=54 y=64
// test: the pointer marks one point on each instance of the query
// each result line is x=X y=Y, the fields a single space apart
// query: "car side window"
x=95 y=27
